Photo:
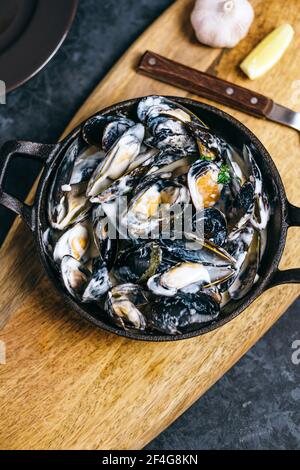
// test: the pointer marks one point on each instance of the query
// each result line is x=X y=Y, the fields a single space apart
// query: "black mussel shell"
x=92 y=129
x=210 y=145
x=114 y=130
x=176 y=315
x=213 y=224
x=194 y=251
x=243 y=205
x=107 y=246
x=99 y=283
x=138 y=263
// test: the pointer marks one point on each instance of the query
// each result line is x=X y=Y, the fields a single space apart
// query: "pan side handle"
x=33 y=151
x=288 y=276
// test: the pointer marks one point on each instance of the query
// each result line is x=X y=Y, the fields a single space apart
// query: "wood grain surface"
x=67 y=385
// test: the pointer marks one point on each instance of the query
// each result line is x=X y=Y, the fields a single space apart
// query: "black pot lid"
x=31 y=31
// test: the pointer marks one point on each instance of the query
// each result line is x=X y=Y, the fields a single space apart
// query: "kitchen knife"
x=216 y=89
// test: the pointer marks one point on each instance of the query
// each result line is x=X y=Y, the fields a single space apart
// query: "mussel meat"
x=75 y=243
x=154 y=205
x=124 y=304
x=75 y=276
x=188 y=277
x=203 y=184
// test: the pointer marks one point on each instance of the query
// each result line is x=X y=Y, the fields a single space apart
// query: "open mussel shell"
x=57 y=205
x=172 y=162
x=170 y=135
x=130 y=179
x=75 y=276
x=117 y=161
x=243 y=206
x=152 y=107
x=114 y=130
x=211 y=224
x=203 y=184
x=92 y=129
x=245 y=245
x=49 y=239
x=85 y=164
x=75 y=242
x=99 y=283
x=103 y=131
x=176 y=315
x=138 y=263
x=262 y=208
x=106 y=243
x=124 y=304
x=154 y=204
x=67 y=201
x=166 y=121
x=211 y=147
x=234 y=164
x=239 y=241
x=196 y=250
x=189 y=277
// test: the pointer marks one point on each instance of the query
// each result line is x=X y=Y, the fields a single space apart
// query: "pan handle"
x=34 y=151
x=289 y=276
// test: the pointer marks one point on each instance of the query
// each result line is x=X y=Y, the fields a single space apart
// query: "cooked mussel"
x=124 y=304
x=99 y=282
x=153 y=107
x=242 y=206
x=130 y=179
x=196 y=250
x=117 y=161
x=67 y=202
x=138 y=263
x=75 y=276
x=106 y=243
x=103 y=130
x=211 y=147
x=189 y=277
x=170 y=135
x=211 y=222
x=155 y=203
x=114 y=130
x=74 y=242
x=245 y=246
x=261 y=214
x=179 y=314
x=204 y=186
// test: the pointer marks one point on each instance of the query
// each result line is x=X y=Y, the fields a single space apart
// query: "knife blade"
x=216 y=89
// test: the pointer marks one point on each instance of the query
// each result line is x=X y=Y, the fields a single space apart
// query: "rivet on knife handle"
x=205 y=85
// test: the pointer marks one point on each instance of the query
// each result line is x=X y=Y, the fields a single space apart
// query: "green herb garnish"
x=224 y=175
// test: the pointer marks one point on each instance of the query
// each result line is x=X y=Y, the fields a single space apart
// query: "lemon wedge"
x=268 y=52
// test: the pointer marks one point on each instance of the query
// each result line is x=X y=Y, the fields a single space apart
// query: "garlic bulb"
x=222 y=23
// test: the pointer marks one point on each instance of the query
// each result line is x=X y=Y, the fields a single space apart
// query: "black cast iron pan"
x=284 y=215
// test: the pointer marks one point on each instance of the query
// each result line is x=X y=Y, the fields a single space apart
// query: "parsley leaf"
x=224 y=175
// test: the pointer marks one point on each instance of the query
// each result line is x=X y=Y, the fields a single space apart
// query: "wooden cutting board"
x=67 y=385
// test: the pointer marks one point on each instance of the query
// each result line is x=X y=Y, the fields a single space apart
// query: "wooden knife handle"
x=203 y=84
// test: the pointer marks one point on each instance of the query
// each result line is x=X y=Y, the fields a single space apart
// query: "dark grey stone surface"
x=256 y=404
